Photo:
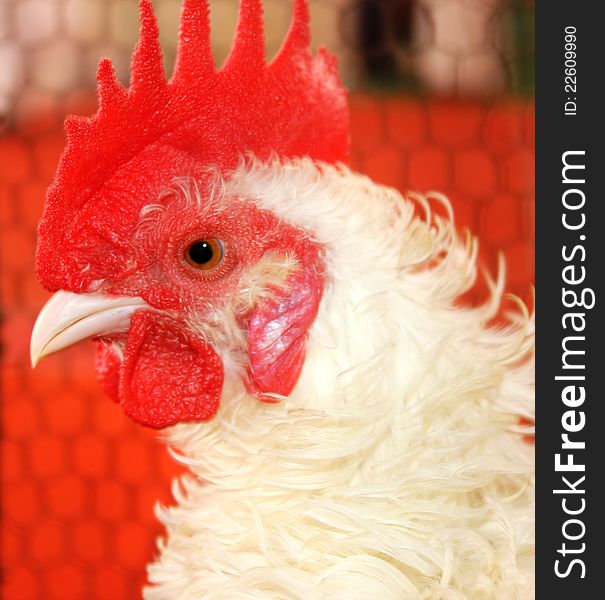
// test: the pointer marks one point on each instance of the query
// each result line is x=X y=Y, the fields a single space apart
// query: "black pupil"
x=201 y=253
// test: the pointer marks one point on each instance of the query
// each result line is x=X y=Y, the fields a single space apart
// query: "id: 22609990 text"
x=571 y=85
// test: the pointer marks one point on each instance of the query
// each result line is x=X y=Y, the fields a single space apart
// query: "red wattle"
x=168 y=375
x=108 y=365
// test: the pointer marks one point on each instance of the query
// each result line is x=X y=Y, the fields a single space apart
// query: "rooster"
x=350 y=429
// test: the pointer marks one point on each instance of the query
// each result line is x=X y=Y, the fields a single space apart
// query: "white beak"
x=68 y=318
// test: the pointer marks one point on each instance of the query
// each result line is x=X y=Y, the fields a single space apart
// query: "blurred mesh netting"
x=441 y=99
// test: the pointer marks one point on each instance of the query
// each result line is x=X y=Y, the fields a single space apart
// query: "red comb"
x=142 y=137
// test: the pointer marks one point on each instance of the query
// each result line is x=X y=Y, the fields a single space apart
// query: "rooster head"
x=150 y=253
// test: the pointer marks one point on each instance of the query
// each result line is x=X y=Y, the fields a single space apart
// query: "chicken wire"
x=441 y=99
x=48 y=48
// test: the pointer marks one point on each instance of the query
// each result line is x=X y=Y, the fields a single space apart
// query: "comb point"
x=298 y=38
x=147 y=70
x=248 y=48
x=194 y=57
x=109 y=88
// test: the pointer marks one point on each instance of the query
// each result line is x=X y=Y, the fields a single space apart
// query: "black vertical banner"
x=570 y=258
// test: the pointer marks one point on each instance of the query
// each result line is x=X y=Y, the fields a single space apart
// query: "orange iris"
x=204 y=254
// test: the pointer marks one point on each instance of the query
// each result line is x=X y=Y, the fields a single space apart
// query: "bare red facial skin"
x=159 y=273
x=168 y=374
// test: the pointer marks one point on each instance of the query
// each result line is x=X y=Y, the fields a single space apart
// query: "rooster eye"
x=204 y=254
